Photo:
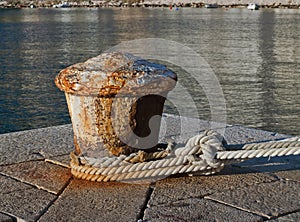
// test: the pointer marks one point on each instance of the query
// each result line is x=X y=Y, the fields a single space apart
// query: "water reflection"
x=265 y=73
x=255 y=55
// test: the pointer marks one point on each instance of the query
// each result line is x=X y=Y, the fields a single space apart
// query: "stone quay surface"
x=36 y=183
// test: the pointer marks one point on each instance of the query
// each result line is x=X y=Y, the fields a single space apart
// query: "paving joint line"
x=21 y=181
x=285 y=214
x=34 y=186
x=141 y=214
x=264 y=216
x=13 y=217
x=57 y=163
x=203 y=196
x=45 y=210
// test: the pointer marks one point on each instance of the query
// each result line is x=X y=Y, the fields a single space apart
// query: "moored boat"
x=215 y=5
x=62 y=5
x=253 y=6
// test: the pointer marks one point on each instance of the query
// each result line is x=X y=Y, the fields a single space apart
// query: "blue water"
x=255 y=56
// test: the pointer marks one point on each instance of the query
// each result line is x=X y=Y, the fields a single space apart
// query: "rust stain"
x=103 y=78
x=77 y=148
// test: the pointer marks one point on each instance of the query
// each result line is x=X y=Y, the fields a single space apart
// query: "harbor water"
x=255 y=56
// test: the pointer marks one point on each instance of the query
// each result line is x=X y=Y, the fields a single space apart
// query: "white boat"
x=62 y=5
x=253 y=6
x=211 y=5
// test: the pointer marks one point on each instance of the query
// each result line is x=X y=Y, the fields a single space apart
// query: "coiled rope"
x=204 y=154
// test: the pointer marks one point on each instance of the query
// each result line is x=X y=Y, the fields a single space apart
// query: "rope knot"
x=204 y=146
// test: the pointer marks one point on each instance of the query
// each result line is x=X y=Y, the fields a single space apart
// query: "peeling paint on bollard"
x=115 y=102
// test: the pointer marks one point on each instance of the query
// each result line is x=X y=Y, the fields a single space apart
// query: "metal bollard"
x=115 y=101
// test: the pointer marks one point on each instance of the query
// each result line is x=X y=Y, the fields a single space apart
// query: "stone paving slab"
x=35 y=144
x=46 y=176
x=241 y=135
x=91 y=201
x=184 y=187
x=8 y=185
x=197 y=210
x=22 y=200
x=266 y=199
x=259 y=183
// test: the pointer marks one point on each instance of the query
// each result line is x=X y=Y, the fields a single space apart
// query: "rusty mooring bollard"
x=115 y=101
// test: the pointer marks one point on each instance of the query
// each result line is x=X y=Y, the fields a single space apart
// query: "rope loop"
x=203 y=153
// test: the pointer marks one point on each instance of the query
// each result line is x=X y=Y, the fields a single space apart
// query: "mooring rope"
x=204 y=154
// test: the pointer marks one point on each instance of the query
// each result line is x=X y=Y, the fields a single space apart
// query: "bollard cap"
x=115 y=73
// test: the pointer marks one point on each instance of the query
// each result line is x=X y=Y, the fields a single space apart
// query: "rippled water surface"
x=254 y=54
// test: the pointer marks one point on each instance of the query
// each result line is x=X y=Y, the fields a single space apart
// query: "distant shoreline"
x=131 y=3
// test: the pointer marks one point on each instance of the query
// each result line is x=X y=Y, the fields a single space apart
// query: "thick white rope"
x=203 y=153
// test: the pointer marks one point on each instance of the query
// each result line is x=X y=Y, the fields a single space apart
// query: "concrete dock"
x=36 y=183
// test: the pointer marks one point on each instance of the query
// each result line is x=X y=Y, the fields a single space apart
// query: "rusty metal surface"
x=112 y=99
x=107 y=73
